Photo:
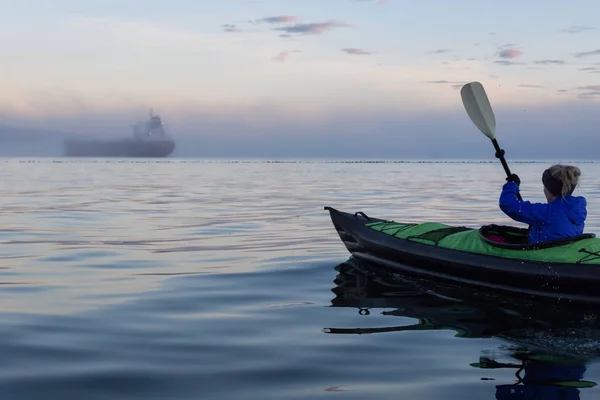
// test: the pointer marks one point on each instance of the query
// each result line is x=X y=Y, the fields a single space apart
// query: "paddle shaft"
x=500 y=155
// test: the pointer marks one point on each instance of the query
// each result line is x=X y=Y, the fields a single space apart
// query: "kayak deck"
x=573 y=250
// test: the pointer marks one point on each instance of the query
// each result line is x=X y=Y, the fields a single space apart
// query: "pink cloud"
x=280 y=19
x=510 y=53
x=283 y=56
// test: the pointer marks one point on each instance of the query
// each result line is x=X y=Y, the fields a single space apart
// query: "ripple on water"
x=179 y=279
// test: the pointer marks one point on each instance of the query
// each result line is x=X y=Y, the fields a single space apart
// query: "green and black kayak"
x=564 y=271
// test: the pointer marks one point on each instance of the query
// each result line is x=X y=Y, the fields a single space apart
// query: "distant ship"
x=149 y=140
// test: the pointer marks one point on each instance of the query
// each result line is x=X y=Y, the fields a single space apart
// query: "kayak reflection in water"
x=564 y=214
x=540 y=377
x=548 y=347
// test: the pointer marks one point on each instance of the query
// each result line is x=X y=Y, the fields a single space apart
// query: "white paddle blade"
x=479 y=109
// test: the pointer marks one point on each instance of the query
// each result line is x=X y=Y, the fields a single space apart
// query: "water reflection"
x=540 y=376
x=548 y=347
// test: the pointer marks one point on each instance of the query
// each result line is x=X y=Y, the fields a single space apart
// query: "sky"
x=307 y=77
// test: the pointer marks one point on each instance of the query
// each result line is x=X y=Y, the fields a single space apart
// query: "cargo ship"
x=149 y=140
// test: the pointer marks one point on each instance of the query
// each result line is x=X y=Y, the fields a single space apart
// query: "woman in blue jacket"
x=564 y=214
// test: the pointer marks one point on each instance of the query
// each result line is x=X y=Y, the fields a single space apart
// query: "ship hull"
x=118 y=148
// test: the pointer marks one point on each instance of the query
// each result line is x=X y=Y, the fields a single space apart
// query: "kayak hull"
x=555 y=282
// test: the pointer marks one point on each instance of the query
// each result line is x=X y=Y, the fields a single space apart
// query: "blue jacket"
x=561 y=218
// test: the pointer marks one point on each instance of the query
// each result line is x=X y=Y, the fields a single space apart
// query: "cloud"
x=231 y=28
x=577 y=29
x=549 y=62
x=595 y=88
x=589 y=92
x=356 y=51
x=505 y=62
x=278 y=19
x=588 y=69
x=589 y=95
x=272 y=20
x=453 y=84
x=315 y=28
x=283 y=56
x=587 y=53
x=439 y=51
x=510 y=53
x=525 y=85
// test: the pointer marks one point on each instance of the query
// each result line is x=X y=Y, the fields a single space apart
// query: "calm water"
x=218 y=280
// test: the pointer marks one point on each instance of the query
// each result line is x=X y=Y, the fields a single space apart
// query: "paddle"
x=480 y=111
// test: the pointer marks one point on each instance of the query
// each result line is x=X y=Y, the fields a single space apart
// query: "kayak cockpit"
x=512 y=237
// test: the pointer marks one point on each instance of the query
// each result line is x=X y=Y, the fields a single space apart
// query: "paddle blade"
x=479 y=109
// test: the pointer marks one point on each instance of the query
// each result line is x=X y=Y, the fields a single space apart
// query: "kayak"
x=492 y=257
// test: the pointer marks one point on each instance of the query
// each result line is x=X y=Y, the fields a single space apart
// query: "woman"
x=564 y=214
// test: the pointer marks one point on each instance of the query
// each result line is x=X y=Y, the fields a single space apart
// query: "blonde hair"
x=568 y=175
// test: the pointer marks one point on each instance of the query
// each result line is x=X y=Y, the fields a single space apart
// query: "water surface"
x=188 y=279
